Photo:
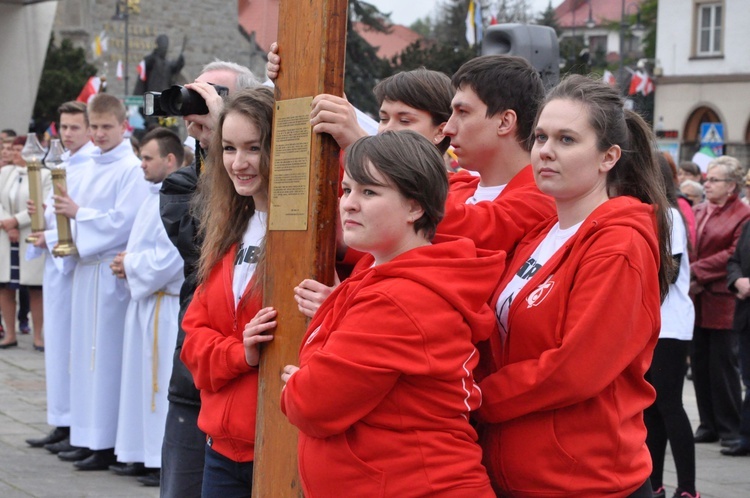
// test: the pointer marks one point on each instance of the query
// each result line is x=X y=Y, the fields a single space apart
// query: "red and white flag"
x=648 y=85
x=120 y=72
x=91 y=88
x=609 y=78
x=141 y=70
x=640 y=83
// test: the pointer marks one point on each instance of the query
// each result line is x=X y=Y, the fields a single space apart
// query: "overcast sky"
x=407 y=11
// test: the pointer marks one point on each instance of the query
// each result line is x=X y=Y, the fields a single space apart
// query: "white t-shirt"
x=485 y=194
x=677 y=311
x=554 y=240
x=248 y=251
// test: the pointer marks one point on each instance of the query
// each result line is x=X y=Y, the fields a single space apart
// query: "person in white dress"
x=58 y=281
x=151 y=268
x=110 y=194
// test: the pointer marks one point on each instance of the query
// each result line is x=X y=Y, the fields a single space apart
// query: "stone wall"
x=211 y=28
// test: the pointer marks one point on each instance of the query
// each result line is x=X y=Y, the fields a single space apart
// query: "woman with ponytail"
x=578 y=308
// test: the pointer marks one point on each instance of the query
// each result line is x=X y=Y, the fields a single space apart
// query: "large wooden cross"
x=302 y=217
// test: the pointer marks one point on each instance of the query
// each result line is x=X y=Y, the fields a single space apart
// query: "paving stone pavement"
x=29 y=472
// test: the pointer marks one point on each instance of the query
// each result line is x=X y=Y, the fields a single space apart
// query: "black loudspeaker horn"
x=536 y=44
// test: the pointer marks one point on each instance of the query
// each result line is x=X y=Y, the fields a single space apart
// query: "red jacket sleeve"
x=356 y=368
x=502 y=223
x=214 y=357
x=609 y=324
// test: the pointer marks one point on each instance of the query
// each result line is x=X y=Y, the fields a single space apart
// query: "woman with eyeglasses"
x=714 y=351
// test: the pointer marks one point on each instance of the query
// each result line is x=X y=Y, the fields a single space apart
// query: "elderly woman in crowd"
x=15 y=226
x=714 y=353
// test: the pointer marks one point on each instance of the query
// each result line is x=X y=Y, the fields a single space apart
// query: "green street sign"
x=133 y=100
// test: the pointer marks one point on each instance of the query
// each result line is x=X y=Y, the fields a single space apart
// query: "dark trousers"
x=744 y=340
x=182 y=453
x=225 y=478
x=716 y=378
x=666 y=419
x=23 y=305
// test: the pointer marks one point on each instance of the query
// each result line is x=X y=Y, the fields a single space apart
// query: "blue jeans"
x=182 y=453
x=225 y=478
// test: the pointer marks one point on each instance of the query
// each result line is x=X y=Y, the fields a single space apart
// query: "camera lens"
x=180 y=101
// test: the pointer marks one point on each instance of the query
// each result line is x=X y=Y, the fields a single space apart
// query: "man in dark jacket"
x=738 y=273
x=184 y=444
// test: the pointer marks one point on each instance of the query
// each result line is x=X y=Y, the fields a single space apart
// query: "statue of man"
x=160 y=72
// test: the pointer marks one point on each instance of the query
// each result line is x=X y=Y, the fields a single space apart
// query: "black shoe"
x=705 y=436
x=75 y=455
x=729 y=442
x=99 y=460
x=55 y=436
x=151 y=479
x=738 y=449
x=128 y=469
x=59 y=447
x=7 y=345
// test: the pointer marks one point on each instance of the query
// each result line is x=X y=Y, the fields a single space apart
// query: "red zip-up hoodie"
x=565 y=408
x=384 y=390
x=214 y=354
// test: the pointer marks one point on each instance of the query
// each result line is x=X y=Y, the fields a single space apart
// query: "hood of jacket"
x=453 y=268
x=622 y=211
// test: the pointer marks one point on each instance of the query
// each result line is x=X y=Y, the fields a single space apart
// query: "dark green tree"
x=63 y=76
x=422 y=27
x=363 y=66
x=450 y=25
x=648 y=19
x=432 y=55
x=548 y=18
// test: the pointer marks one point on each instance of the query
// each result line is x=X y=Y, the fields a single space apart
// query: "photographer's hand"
x=201 y=126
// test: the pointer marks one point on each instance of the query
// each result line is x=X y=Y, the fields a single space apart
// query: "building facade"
x=703 y=72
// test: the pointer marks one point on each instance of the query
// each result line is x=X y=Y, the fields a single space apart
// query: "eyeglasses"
x=717 y=180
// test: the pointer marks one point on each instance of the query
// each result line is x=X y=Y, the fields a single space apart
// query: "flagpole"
x=127 y=73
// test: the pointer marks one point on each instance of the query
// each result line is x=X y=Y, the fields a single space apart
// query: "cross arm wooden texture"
x=312 y=44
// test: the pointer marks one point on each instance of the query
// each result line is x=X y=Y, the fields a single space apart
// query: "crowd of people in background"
x=522 y=326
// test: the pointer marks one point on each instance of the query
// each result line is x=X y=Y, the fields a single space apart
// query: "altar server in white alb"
x=151 y=267
x=58 y=281
x=109 y=198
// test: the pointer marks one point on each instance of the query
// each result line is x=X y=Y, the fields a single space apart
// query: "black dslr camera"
x=177 y=101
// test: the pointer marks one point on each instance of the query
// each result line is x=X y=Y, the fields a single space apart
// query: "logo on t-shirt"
x=247 y=255
x=540 y=293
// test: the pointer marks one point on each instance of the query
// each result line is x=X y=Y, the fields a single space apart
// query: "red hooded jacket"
x=565 y=409
x=384 y=390
x=214 y=354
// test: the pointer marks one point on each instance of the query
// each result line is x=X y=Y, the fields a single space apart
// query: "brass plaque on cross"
x=289 y=189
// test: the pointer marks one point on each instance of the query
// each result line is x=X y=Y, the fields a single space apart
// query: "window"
x=709 y=29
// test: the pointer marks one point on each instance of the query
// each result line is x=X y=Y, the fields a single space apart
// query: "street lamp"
x=590 y=23
x=623 y=26
x=122 y=13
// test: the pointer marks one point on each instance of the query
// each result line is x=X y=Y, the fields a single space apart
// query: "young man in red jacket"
x=494 y=107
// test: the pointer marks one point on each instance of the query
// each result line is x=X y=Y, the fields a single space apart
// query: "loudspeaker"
x=536 y=44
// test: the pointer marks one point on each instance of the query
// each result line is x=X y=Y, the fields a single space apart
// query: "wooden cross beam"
x=302 y=217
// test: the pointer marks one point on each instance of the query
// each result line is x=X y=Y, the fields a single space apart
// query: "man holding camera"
x=183 y=449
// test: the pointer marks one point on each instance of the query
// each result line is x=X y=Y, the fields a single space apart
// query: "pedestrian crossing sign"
x=712 y=134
